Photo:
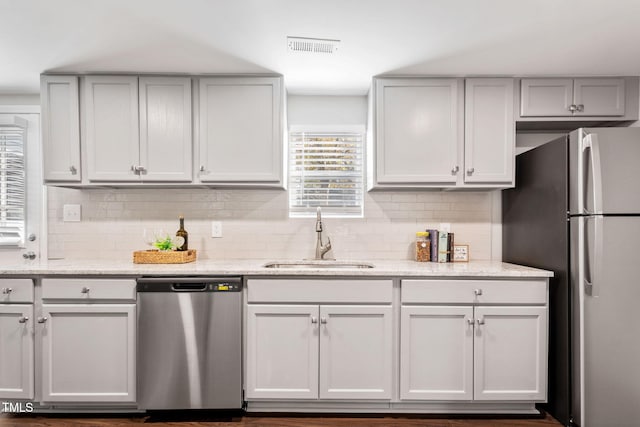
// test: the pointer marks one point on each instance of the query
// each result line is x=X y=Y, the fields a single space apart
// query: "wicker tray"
x=164 y=257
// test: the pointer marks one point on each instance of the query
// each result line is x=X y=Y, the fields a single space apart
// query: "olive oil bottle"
x=183 y=233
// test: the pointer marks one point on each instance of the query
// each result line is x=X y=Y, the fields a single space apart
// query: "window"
x=326 y=169
x=12 y=185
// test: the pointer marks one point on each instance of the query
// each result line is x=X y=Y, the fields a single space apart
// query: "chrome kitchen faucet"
x=320 y=248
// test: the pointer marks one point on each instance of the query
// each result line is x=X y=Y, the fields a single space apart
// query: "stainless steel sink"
x=312 y=264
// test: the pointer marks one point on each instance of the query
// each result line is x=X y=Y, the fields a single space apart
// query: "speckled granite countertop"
x=401 y=268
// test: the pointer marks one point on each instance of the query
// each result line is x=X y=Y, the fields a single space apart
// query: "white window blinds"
x=326 y=170
x=12 y=185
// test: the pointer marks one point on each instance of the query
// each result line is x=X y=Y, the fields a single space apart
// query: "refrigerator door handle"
x=592 y=286
x=591 y=143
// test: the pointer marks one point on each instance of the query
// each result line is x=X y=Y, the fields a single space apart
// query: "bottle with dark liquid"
x=183 y=233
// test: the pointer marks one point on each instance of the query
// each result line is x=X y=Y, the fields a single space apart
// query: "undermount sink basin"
x=317 y=264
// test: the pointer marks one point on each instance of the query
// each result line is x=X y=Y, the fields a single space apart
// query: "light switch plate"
x=71 y=213
x=216 y=228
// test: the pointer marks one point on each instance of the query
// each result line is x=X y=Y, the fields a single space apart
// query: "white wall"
x=256 y=222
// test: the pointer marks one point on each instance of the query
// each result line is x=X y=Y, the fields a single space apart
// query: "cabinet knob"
x=85 y=290
x=314 y=320
x=477 y=292
x=202 y=168
x=573 y=108
x=480 y=321
x=23 y=319
x=580 y=108
x=455 y=170
x=323 y=320
x=470 y=171
x=29 y=255
x=42 y=319
x=73 y=170
x=7 y=290
x=470 y=322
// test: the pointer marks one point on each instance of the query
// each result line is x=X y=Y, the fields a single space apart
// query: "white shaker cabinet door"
x=59 y=98
x=490 y=133
x=165 y=129
x=599 y=97
x=418 y=131
x=282 y=351
x=240 y=134
x=436 y=353
x=88 y=352
x=16 y=351
x=546 y=97
x=111 y=134
x=510 y=353
x=355 y=352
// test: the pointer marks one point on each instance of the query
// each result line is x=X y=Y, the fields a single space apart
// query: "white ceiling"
x=436 y=37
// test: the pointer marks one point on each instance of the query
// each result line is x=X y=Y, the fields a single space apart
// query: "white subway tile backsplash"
x=256 y=223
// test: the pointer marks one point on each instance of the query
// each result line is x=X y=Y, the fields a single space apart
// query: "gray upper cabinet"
x=138 y=129
x=417 y=132
x=60 y=128
x=111 y=133
x=240 y=131
x=443 y=133
x=584 y=97
x=166 y=152
x=489 y=131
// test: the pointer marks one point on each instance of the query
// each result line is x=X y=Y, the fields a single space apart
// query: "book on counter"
x=443 y=239
x=450 y=247
x=433 y=236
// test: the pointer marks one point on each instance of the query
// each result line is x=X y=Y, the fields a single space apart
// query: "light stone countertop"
x=400 y=268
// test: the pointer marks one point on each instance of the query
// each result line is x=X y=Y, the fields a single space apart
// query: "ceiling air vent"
x=304 y=44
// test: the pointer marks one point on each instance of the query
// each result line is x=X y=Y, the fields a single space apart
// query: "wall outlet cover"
x=216 y=229
x=71 y=213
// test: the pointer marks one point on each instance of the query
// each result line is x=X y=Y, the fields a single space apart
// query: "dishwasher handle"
x=188 y=287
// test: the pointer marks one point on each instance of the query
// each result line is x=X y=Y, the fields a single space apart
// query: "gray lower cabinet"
x=473 y=340
x=16 y=339
x=319 y=339
x=88 y=335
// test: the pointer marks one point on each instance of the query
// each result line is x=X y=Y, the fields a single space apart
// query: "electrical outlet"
x=216 y=228
x=71 y=213
x=445 y=226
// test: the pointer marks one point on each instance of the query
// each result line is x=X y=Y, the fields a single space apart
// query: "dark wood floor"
x=272 y=421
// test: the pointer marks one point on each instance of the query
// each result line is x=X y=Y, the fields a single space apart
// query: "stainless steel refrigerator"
x=575 y=210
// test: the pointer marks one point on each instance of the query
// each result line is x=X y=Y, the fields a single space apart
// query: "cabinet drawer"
x=89 y=289
x=16 y=290
x=320 y=291
x=474 y=291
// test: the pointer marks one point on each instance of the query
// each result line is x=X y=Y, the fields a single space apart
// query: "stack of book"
x=441 y=245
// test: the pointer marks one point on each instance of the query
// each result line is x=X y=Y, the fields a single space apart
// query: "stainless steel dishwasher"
x=189 y=343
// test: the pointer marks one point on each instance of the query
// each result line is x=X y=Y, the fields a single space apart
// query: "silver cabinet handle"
x=572 y=108
x=470 y=322
x=7 y=290
x=480 y=321
x=23 y=319
x=42 y=319
x=455 y=170
x=31 y=237
x=85 y=290
x=477 y=292
x=202 y=168
x=580 y=108
x=323 y=320
x=470 y=171
x=73 y=170
x=314 y=320
x=29 y=255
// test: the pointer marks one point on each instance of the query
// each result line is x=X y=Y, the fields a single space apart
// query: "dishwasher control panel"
x=189 y=284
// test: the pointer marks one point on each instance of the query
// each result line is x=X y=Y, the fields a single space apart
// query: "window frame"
x=329 y=212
